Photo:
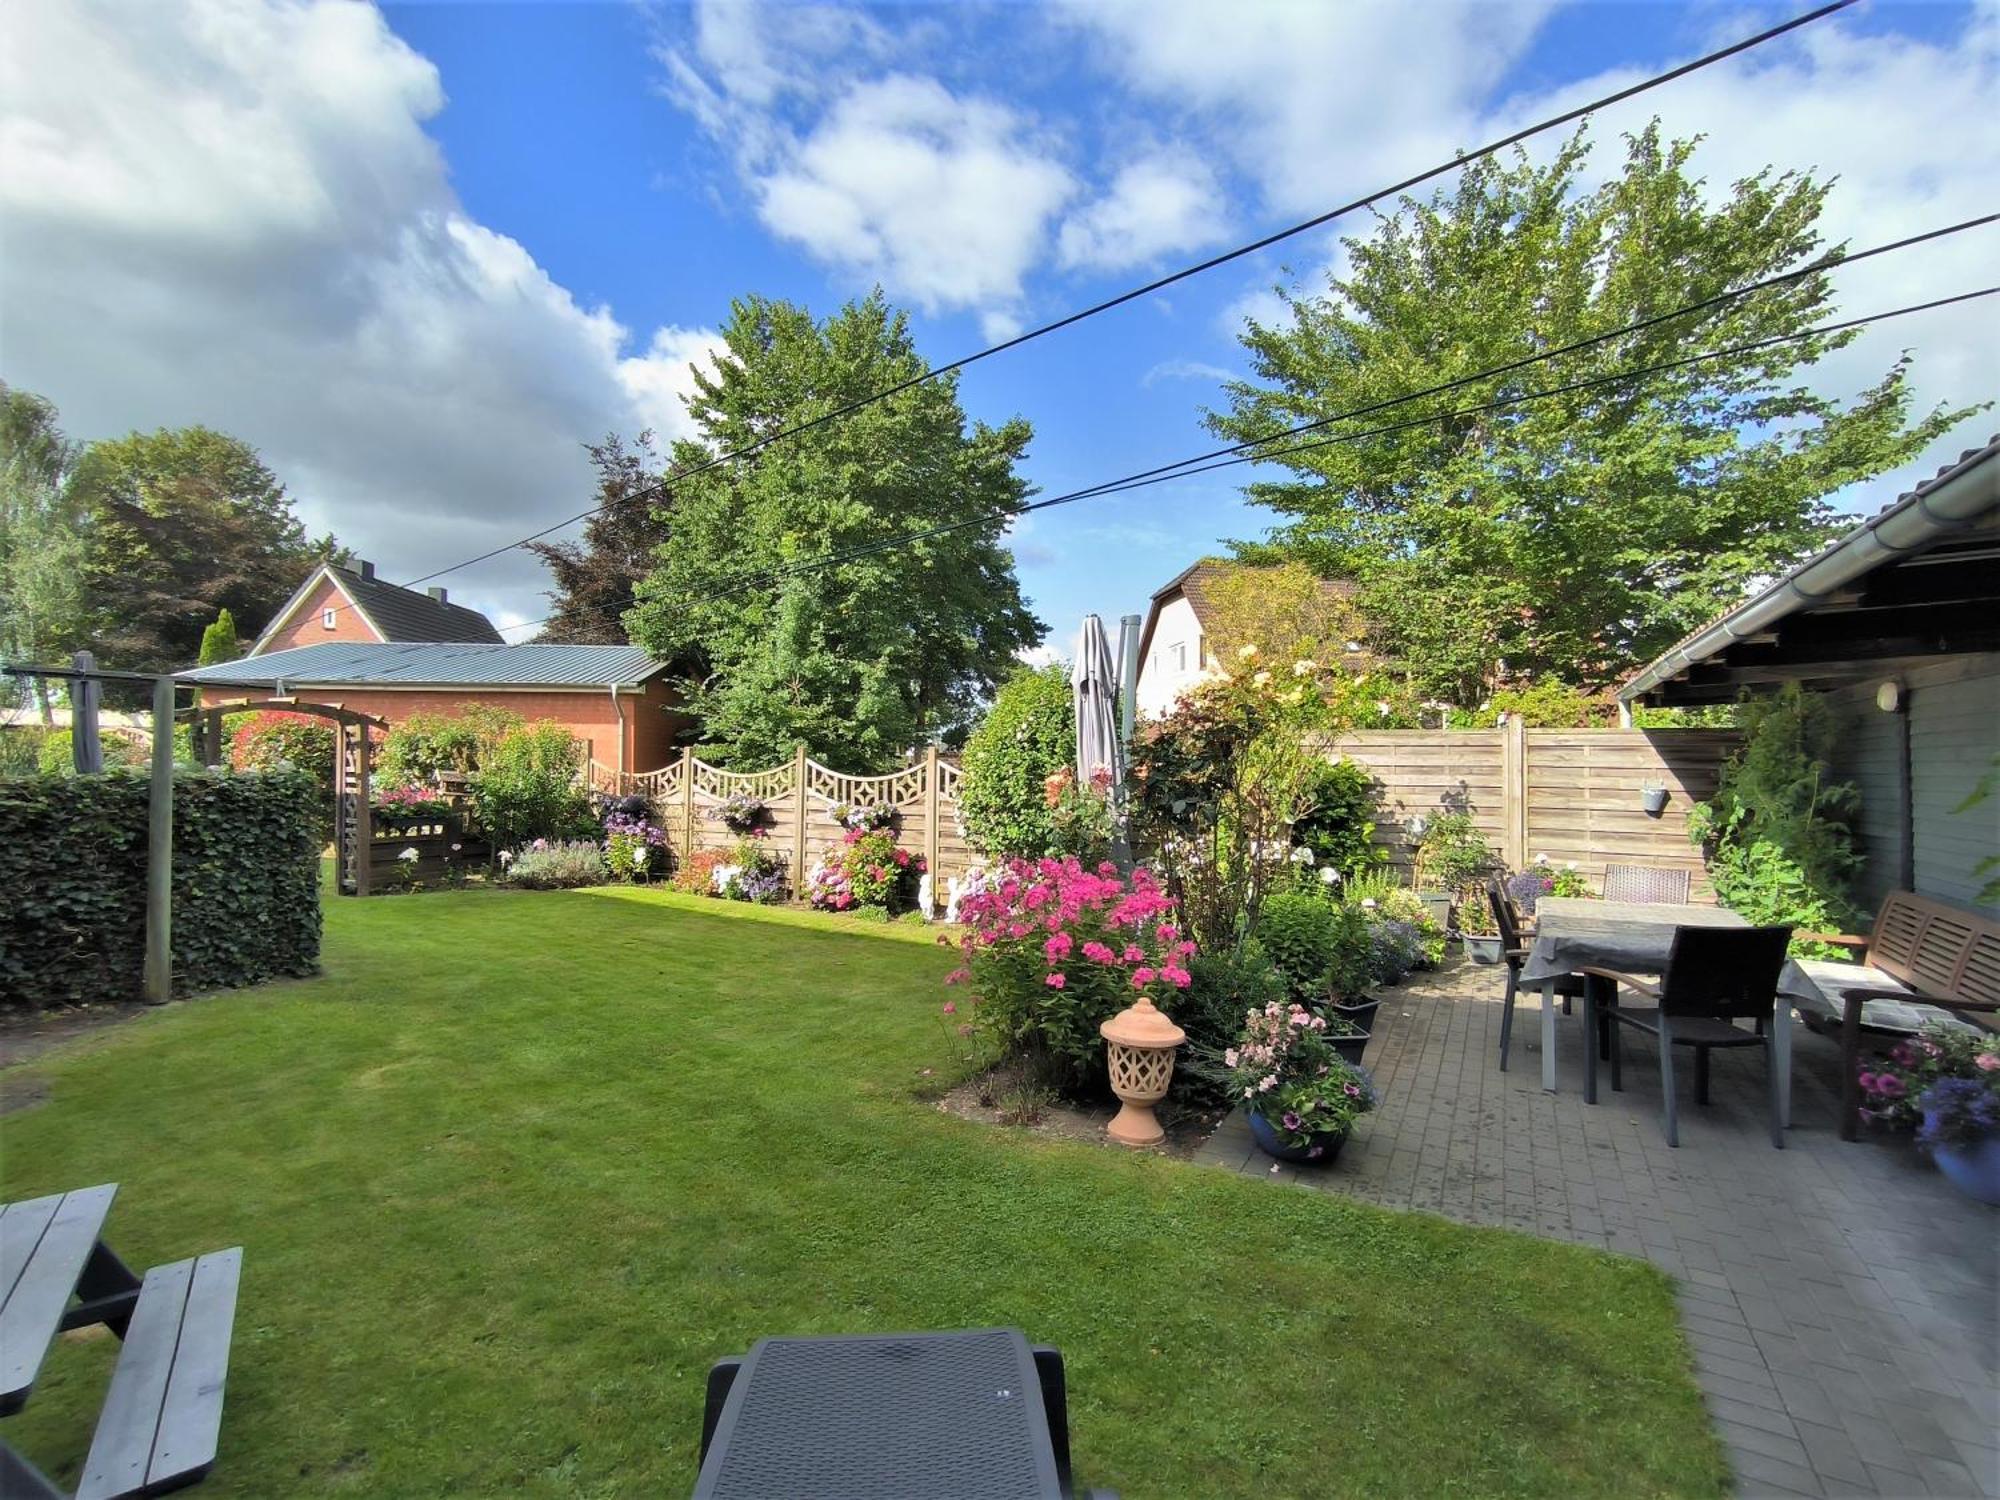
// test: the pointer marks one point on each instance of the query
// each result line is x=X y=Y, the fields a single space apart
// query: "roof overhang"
x=1918 y=581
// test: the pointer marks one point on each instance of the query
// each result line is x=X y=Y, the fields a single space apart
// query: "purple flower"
x=1291 y=1120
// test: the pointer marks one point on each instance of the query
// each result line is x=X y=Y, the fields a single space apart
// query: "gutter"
x=1956 y=497
x=619 y=709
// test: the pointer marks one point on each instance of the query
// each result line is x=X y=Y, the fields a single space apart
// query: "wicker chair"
x=1647 y=884
x=1514 y=951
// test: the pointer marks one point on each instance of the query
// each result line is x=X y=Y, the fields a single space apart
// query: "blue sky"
x=420 y=254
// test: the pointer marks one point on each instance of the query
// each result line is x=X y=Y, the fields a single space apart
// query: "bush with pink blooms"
x=865 y=869
x=1892 y=1087
x=1053 y=949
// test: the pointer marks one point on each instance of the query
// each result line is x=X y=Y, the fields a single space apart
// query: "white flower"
x=1246 y=653
x=410 y=854
x=1369 y=904
x=640 y=855
x=1382 y=707
x=1304 y=667
x=1302 y=855
x=1541 y=859
x=1328 y=875
x=456 y=847
x=506 y=856
x=1571 y=865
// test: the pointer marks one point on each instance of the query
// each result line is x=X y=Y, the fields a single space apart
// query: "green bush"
x=416 y=749
x=56 y=755
x=1224 y=989
x=545 y=866
x=273 y=740
x=529 y=786
x=1299 y=932
x=1340 y=828
x=73 y=864
x=1451 y=854
x=21 y=749
x=1028 y=736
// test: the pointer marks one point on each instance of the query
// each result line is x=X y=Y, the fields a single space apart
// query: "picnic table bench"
x=162 y=1414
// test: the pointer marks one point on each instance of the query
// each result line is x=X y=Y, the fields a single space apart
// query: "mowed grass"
x=519 y=1166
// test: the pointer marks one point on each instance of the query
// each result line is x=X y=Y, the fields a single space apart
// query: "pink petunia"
x=1056 y=981
x=1142 y=976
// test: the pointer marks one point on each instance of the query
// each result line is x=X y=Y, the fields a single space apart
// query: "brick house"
x=614 y=698
x=351 y=604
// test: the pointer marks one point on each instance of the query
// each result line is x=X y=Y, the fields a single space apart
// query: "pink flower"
x=1166 y=932
x=1058 y=946
x=950 y=1009
x=958 y=976
x=1141 y=977
x=1178 y=978
x=1987 y=1061
x=1098 y=953
x=1134 y=953
x=1055 y=981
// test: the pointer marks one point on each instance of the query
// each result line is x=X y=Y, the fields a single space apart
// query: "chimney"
x=438 y=594
x=365 y=568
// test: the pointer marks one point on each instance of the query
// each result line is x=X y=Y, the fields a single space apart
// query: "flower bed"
x=865 y=869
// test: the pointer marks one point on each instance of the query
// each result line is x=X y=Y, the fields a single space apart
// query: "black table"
x=878 y=1416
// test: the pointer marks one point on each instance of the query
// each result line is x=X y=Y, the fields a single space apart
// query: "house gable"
x=321 y=611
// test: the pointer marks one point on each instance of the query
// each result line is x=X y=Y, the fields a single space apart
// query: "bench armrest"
x=1630 y=981
x=1840 y=939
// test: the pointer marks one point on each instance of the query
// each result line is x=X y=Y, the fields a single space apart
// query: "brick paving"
x=1840 y=1298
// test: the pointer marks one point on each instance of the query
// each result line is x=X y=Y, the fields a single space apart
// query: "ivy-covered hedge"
x=73 y=866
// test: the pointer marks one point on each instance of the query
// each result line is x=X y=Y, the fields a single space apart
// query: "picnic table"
x=1634 y=937
x=163 y=1412
x=961 y=1414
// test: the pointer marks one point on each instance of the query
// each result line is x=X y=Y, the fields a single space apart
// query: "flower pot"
x=1320 y=1151
x=1974 y=1170
x=1361 y=1012
x=1438 y=904
x=1482 y=947
x=1350 y=1048
x=1653 y=799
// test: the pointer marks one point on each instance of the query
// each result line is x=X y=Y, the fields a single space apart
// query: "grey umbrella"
x=1096 y=687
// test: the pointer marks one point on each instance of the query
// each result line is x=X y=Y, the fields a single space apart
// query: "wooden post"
x=160 y=849
x=1514 y=792
x=799 y=821
x=86 y=745
x=687 y=802
x=364 y=814
x=933 y=811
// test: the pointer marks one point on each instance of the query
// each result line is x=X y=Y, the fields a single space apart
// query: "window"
x=326 y=618
x=1177 y=653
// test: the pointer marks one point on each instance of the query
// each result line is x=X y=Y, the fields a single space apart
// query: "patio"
x=1839 y=1297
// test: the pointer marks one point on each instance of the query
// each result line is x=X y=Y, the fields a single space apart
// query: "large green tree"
x=42 y=612
x=1581 y=534
x=184 y=522
x=863 y=659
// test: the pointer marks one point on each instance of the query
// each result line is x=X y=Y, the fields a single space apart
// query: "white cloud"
x=225 y=212
x=1184 y=369
x=945 y=200
x=1158 y=204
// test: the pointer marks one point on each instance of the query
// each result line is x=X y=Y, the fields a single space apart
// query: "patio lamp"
x=1140 y=1041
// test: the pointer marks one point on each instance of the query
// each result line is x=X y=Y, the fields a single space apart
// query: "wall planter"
x=1482 y=948
x=1974 y=1170
x=1321 y=1151
x=1653 y=799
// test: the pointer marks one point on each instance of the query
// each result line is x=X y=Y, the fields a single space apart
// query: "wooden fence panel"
x=1572 y=795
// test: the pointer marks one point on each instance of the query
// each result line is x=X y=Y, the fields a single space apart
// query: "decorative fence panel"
x=799 y=798
x=1573 y=795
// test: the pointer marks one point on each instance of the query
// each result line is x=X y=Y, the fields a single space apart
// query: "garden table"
x=872 y=1415
x=1634 y=937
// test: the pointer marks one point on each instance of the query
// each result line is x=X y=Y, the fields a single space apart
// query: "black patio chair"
x=1715 y=977
x=1514 y=952
x=1646 y=884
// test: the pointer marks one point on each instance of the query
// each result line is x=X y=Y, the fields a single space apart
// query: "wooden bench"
x=163 y=1413
x=1925 y=961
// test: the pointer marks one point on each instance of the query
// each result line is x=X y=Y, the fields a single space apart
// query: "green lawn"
x=519 y=1166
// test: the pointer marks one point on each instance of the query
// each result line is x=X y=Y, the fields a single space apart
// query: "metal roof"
x=1958 y=494
x=437 y=664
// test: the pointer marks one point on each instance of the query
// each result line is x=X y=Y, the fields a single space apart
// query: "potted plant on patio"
x=1961 y=1127
x=1478 y=929
x=1299 y=1095
x=1451 y=853
x=1352 y=969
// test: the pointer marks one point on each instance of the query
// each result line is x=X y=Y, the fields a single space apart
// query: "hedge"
x=73 y=865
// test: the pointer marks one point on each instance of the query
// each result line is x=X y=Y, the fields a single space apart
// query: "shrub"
x=1299 y=932
x=865 y=869
x=695 y=874
x=271 y=740
x=546 y=865
x=1352 y=970
x=1223 y=988
x=55 y=754
x=635 y=847
x=1054 y=950
x=1286 y=1070
x=1028 y=736
x=529 y=786
x=1893 y=1091
x=1339 y=828
x=422 y=745
x=1451 y=853
x=752 y=871
x=73 y=864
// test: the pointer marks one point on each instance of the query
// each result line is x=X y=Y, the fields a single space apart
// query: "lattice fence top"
x=899 y=788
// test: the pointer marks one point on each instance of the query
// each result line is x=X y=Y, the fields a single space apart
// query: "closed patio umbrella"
x=1098 y=746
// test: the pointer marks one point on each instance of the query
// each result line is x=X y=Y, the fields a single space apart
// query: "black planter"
x=1361 y=1013
x=1350 y=1047
x=1481 y=947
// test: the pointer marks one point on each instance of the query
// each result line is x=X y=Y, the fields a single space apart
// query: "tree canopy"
x=595 y=579
x=1581 y=534
x=863 y=659
x=42 y=607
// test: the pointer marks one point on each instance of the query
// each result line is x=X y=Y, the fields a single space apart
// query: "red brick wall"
x=304 y=627
x=587 y=714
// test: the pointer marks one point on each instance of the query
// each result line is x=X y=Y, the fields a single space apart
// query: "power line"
x=1224 y=258
x=1182 y=470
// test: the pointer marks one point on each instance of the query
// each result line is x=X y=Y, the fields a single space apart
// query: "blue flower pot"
x=1320 y=1151
x=1974 y=1170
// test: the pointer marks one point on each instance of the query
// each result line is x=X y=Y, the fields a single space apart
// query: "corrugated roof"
x=407 y=615
x=438 y=664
